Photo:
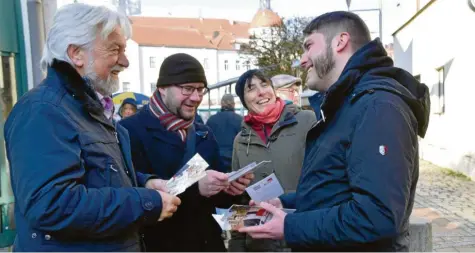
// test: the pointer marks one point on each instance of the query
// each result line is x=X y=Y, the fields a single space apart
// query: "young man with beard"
x=72 y=176
x=360 y=171
x=164 y=136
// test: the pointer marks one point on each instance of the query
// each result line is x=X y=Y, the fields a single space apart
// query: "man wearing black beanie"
x=165 y=136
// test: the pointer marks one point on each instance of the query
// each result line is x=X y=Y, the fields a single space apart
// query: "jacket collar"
x=365 y=59
x=286 y=119
x=157 y=130
x=79 y=89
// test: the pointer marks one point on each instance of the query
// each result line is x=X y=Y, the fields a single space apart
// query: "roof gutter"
x=413 y=17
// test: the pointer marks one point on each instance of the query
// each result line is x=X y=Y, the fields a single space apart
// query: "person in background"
x=127 y=108
x=361 y=167
x=273 y=131
x=225 y=125
x=287 y=88
x=164 y=137
x=72 y=176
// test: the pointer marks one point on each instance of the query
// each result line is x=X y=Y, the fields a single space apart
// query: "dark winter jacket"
x=225 y=125
x=161 y=152
x=361 y=165
x=72 y=176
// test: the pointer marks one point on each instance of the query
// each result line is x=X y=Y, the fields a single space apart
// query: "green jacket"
x=285 y=149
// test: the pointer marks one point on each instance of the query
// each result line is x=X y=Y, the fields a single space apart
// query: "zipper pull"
x=112 y=168
x=116 y=137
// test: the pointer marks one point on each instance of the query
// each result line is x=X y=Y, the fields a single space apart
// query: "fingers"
x=219 y=176
x=260 y=235
x=244 y=181
x=176 y=201
x=269 y=207
x=169 y=205
x=238 y=186
x=254 y=229
x=216 y=178
x=233 y=191
x=249 y=176
x=252 y=203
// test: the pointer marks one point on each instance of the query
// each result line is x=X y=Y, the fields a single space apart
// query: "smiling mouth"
x=263 y=101
x=191 y=107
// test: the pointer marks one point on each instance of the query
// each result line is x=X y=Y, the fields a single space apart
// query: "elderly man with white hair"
x=72 y=175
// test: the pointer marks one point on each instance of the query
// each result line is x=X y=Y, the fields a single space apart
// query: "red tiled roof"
x=188 y=32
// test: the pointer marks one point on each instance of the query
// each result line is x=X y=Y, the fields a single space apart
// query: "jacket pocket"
x=97 y=159
x=113 y=174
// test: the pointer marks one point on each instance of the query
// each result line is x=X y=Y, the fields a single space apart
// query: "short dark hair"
x=261 y=76
x=332 y=23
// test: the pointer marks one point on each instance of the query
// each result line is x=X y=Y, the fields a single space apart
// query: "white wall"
x=150 y=75
x=132 y=74
x=441 y=36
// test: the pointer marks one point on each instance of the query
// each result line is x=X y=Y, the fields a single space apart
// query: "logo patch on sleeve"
x=383 y=150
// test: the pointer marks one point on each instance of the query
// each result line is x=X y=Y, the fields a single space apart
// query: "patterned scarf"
x=169 y=120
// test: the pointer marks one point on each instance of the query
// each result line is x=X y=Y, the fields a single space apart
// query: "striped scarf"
x=169 y=120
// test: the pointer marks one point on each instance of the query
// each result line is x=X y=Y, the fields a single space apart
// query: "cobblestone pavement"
x=449 y=202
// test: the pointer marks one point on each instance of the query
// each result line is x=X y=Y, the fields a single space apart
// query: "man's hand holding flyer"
x=239 y=216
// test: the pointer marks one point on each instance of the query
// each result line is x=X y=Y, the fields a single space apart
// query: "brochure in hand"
x=190 y=173
x=232 y=176
x=244 y=216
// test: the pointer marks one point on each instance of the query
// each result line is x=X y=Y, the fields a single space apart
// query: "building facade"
x=435 y=45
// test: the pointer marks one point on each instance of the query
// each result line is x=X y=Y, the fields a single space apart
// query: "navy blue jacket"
x=72 y=176
x=361 y=165
x=161 y=152
x=225 y=125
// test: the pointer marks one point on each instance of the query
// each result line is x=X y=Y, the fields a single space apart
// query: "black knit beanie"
x=241 y=83
x=179 y=69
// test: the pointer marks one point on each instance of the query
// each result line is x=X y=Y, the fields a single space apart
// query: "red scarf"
x=263 y=122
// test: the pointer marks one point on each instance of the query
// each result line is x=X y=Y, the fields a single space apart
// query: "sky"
x=395 y=12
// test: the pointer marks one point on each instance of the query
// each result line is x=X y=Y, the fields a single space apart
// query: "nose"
x=304 y=61
x=195 y=97
x=123 y=61
x=260 y=90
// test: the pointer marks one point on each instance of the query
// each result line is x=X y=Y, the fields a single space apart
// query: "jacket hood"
x=370 y=69
x=127 y=101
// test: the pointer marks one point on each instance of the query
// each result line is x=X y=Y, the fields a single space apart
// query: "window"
x=152 y=62
x=247 y=65
x=125 y=86
x=440 y=91
x=238 y=67
x=226 y=65
x=205 y=63
x=153 y=86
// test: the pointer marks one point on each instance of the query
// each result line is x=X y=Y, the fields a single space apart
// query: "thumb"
x=220 y=176
x=270 y=208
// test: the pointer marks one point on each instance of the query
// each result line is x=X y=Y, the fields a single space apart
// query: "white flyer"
x=238 y=216
x=190 y=173
x=266 y=189
x=241 y=172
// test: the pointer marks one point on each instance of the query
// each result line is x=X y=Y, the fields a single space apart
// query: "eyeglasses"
x=188 y=90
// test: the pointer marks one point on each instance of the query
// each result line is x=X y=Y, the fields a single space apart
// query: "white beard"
x=105 y=87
